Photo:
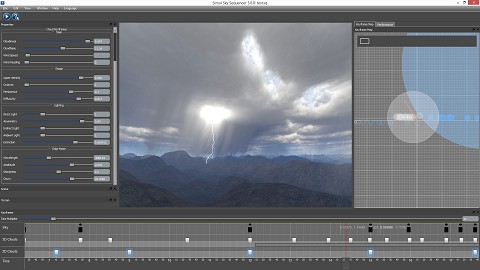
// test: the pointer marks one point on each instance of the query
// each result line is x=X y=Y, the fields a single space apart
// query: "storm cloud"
x=288 y=87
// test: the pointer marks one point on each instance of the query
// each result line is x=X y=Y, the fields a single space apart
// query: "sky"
x=287 y=88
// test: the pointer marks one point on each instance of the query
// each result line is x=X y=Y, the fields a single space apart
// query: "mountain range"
x=183 y=180
x=135 y=194
x=323 y=158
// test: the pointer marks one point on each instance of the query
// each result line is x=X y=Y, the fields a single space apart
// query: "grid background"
x=389 y=173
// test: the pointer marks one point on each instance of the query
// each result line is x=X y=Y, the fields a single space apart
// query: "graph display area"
x=416 y=120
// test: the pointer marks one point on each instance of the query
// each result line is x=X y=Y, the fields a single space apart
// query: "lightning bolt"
x=213 y=146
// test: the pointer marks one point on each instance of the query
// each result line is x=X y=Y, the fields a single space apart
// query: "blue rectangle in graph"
x=370 y=252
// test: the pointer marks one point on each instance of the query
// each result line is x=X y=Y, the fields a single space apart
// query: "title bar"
x=239 y=3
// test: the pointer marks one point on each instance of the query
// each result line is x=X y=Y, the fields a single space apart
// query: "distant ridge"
x=134 y=156
x=197 y=183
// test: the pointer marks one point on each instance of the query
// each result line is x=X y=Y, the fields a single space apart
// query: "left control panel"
x=58 y=112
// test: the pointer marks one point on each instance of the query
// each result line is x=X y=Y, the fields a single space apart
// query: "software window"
x=236 y=134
